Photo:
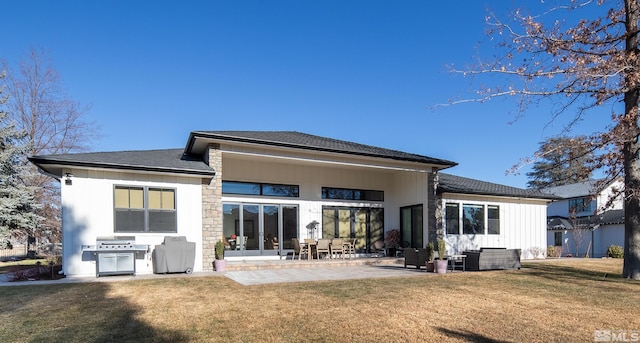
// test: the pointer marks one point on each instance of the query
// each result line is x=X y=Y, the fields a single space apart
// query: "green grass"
x=555 y=301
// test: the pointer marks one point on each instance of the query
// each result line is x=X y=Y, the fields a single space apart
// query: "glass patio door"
x=259 y=229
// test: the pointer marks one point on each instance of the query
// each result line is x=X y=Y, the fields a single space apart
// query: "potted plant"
x=220 y=264
x=392 y=240
x=430 y=257
x=441 y=263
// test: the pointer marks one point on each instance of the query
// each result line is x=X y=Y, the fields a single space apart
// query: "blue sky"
x=364 y=71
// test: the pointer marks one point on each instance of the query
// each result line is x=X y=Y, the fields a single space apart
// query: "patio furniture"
x=322 y=247
x=377 y=248
x=310 y=243
x=350 y=248
x=415 y=257
x=399 y=251
x=299 y=248
x=492 y=258
x=174 y=255
x=241 y=242
x=337 y=247
x=457 y=261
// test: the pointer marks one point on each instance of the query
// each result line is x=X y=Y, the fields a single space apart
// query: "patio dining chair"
x=322 y=247
x=350 y=248
x=377 y=248
x=337 y=247
x=298 y=248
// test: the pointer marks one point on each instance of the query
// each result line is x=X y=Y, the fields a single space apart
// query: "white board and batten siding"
x=88 y=212
x=523 y=225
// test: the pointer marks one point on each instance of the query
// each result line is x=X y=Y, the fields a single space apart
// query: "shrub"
x=553 y=251
x=615 y=251
x=536 y=251
x=219 y=250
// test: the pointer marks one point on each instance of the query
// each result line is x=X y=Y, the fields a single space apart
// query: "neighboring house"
x=257 y=190
x=585 y=219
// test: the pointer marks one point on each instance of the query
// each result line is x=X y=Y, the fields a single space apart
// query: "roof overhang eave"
x=54 y=168
x=191 y=148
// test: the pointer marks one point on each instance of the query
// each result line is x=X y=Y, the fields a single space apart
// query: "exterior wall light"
x=67 y=179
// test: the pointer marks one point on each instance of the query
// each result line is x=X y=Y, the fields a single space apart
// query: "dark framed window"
x=452 y=218
x=557 y=238
x=144 y=209
x=578 y=205
x=472 y=219
x=263 y=189
x=493 y=220
x=352 y=194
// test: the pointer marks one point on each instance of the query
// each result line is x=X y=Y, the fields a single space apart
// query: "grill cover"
x=175 y=255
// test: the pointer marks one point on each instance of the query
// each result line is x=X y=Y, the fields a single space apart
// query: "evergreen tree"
x=17 y=210
x=561 y=161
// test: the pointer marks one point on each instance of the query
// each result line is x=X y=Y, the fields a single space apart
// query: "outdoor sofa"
x=492 y=258
x=415 y=257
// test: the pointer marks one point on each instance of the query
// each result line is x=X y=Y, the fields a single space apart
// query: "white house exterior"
x=481 y=214
x=257 y=190
x=581 y=214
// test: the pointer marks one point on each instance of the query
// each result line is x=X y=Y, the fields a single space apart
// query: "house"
x=482 y=214
x=257 y=190
x=584 y=220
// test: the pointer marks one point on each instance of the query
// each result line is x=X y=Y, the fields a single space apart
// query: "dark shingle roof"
x=610 y=217
x=573 y=190
x=299 y=140
x=168 y=160
x=456 y=184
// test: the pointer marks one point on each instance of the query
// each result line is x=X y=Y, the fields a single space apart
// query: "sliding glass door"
x=411 y=225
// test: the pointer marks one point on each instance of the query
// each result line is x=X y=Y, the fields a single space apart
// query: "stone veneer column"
x=211 y=207
x=434 y=208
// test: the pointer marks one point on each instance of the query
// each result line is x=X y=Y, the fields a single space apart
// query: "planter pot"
x=441 y=266
x=220 y=265
x=430 y=266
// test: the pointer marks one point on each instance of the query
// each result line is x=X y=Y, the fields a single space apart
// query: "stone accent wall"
x=434 y=209
x=211 y=207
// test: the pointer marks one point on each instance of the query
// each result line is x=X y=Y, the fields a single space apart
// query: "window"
x=352 y=194
x=144 y=209
x=452 y=218
x=578 y=205
x=264 y=189
x=472 y=219
x=493 y=220
x=557 y=239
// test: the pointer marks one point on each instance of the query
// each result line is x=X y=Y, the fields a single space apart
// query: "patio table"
x=310 y=247
x=453 y=259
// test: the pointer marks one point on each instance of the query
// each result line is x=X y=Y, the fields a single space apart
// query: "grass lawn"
x=550 y=301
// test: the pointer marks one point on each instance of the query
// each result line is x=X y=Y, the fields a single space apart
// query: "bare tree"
x=54 y=124
x=577 y=65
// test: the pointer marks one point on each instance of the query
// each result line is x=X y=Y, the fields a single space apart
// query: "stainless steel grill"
x=116 y=255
